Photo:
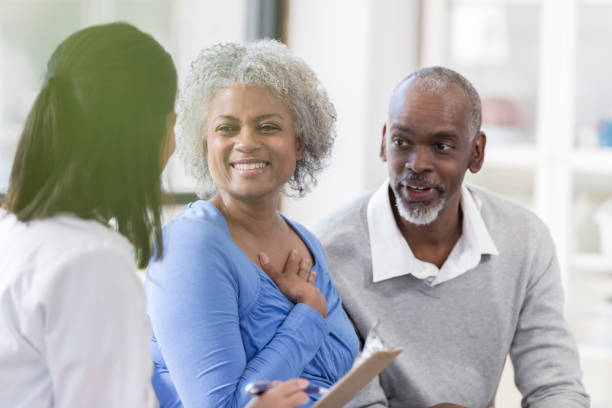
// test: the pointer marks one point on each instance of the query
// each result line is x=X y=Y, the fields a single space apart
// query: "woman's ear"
x=300 y=148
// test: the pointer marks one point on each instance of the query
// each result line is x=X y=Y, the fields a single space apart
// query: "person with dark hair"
x=72 y=309
x=73 y=326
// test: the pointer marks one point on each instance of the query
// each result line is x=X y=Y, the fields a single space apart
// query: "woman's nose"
x=247 y=140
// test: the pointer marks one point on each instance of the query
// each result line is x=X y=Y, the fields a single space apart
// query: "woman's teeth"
x=249 y=166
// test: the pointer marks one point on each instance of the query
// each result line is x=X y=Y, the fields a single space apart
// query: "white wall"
x=359 y=49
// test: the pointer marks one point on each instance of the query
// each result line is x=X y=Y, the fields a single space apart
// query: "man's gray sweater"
x=456 y=335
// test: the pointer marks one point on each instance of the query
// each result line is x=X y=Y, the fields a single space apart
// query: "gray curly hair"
x=266 y=63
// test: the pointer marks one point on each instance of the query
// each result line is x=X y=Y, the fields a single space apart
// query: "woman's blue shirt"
x=220 y=322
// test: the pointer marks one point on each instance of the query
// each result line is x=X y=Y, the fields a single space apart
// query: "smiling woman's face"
x=251 y=145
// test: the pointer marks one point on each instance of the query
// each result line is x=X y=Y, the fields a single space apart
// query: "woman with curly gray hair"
x=244 y=294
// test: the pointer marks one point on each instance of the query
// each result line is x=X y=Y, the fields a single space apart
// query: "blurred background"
x=542 y=68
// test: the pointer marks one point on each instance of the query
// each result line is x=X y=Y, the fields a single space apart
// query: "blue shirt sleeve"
x=342 y=344
x=193 y=301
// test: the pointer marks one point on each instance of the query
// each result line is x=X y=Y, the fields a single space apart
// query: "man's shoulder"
x=505 y=216
x=344 y=235
x=350 y=215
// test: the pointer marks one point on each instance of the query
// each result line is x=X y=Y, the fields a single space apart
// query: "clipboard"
x=357 y=378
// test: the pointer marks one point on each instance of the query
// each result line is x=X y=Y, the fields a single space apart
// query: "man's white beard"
x=419 y=215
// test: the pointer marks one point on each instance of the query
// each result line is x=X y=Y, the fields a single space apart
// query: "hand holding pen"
x=290 y=394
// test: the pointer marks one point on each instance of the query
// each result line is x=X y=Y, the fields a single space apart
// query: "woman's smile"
x=249 y=167
x=251 y=144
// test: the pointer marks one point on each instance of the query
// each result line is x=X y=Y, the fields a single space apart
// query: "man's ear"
x=477 y=152
x=383 y=144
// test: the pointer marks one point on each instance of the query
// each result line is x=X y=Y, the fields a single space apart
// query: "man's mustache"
x=411 y=176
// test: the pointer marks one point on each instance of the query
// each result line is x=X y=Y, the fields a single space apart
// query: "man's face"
x=428 y=147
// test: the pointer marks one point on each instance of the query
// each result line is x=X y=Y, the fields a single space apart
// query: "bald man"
x=456 y=275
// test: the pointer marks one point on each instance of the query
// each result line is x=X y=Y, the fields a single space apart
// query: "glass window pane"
x=154 y=17
x=29 y=32
x=496 y=46
x=593 y=79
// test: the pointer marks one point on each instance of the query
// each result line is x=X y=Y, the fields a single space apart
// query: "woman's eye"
x=268 y=127
x=225 y=128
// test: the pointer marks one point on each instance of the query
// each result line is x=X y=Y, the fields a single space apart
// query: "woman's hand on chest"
x=296 y=280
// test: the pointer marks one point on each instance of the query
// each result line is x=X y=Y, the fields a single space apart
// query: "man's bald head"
x=436 y=80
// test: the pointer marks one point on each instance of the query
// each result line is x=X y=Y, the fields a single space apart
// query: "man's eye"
x=398 y=142
x=443 y=147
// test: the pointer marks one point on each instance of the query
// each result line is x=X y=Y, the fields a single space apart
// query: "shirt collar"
x=392 y=256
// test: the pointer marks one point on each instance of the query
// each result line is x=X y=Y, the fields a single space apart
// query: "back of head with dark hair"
x=92 y=141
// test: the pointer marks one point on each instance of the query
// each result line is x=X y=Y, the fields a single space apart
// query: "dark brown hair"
x=92 y=141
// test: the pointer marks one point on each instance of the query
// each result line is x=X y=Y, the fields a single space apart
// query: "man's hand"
x=296 y=281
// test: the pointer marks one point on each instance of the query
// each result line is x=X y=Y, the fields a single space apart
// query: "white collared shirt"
x=73 y=327
x=392 y=256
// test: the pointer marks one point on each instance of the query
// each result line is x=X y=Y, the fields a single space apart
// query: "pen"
x=259 y=387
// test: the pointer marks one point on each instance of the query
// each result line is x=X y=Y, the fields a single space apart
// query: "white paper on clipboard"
x=357 y=378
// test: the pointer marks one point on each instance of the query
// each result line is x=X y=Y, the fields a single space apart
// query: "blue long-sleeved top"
x=220 y=322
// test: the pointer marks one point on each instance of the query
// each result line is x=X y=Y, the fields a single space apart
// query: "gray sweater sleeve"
x=543 y=351
x=371 y=396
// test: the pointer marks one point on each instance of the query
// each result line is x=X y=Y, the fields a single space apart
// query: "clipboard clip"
x=372 y=344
